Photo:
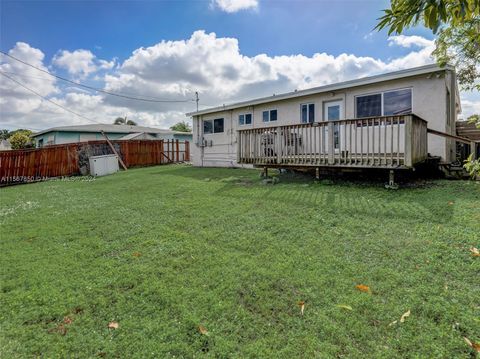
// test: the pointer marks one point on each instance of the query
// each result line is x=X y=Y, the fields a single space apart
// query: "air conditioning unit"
x=103 y=165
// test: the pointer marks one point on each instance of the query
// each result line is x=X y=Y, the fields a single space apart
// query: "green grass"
x=215 y=247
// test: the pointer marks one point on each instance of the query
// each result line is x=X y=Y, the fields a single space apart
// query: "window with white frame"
x=269 y=116
x=213 y=126
x=388 y=103
x=307 y=113
x=245 y=119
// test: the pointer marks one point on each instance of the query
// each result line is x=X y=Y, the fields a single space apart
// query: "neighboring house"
x=82 y=133
x=5 y=145
x=138 y=136
x=372 y=121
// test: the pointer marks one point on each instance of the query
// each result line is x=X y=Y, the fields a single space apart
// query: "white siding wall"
x=429 y=94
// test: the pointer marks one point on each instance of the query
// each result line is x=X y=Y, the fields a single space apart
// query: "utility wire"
x=94 y=88
x=28 y=76
x=47 y=99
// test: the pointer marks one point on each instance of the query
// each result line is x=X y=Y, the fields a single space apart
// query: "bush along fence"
x=72 y=159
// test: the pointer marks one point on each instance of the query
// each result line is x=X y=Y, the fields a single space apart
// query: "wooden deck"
x=379 y=142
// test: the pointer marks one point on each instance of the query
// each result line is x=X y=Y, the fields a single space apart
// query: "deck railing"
x=382 y=142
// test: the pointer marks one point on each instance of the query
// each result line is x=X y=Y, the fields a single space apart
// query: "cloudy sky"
x=227 y=50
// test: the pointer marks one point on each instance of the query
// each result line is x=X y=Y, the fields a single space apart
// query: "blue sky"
x=118 y=27
x=100 y=37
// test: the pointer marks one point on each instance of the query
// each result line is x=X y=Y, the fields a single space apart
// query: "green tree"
x=475 y=119
x=21 y=139
x=4 y=134
x=457 y=23
x=181 y=126
x=124 y=121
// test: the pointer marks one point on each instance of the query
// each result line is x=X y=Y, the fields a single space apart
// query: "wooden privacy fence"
x=381 y=142
x=70 y=159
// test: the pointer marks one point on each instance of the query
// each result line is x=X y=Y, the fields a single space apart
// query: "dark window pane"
x=333 y=112
x=207 y=127
x=370 y=105
x=265 y=116
x=311 y=113
x=218 y=125
x=241 y=120
x=273 y=115
x=397 y=102
x=304 y=113
x=248 y=119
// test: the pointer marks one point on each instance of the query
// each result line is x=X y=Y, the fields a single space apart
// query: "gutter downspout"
x=200 y=142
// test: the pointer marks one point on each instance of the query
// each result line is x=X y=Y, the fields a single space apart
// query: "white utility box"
x=103 y=165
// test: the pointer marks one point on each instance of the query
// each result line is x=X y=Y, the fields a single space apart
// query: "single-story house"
x=82 y=133
x=378 y=121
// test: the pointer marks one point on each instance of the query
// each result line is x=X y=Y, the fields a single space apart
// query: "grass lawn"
x=164 y=250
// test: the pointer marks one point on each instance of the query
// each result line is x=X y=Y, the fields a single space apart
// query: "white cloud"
x=409 y=41
x=470 y=107
x=15 y=100
x=232 y=6
x=81 y=62
x=78 y=62
x=216 y=68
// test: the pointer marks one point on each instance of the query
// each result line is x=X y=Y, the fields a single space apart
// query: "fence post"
x=177 y=145
x=187 y=151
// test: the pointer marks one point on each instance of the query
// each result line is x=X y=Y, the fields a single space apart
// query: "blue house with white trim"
x=83 y=133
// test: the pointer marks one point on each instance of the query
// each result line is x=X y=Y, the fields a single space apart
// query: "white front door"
x=333 y=110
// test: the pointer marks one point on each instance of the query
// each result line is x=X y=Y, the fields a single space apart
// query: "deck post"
x=408 y=154
x=331 y=144
x=473 y=150
x=317 y=173
x=391 y=178
x=265 y=172
x=279 y=144
x=391 y=181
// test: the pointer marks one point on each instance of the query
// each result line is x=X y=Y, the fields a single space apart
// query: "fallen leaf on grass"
x=137 y=254
x=344 y=306
x=67 y=320
x=404 y=316
x=301 y=304
x=475 y=252
x=202 y=330
x=473 y=345
x=450 y=203
x=113 y=325
x=364 y=288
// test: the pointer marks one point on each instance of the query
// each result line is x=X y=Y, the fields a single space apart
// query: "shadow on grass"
x=429 y=202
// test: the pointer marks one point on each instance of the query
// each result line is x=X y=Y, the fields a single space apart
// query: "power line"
x=47 y=99
x=94 y=88
x=28 y=76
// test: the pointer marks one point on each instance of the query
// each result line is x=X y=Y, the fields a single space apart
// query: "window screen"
x=218 y=125
x=265 y=116
x=369 y=105
x=397 y=102
x=207 y=127
x=273 y=115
